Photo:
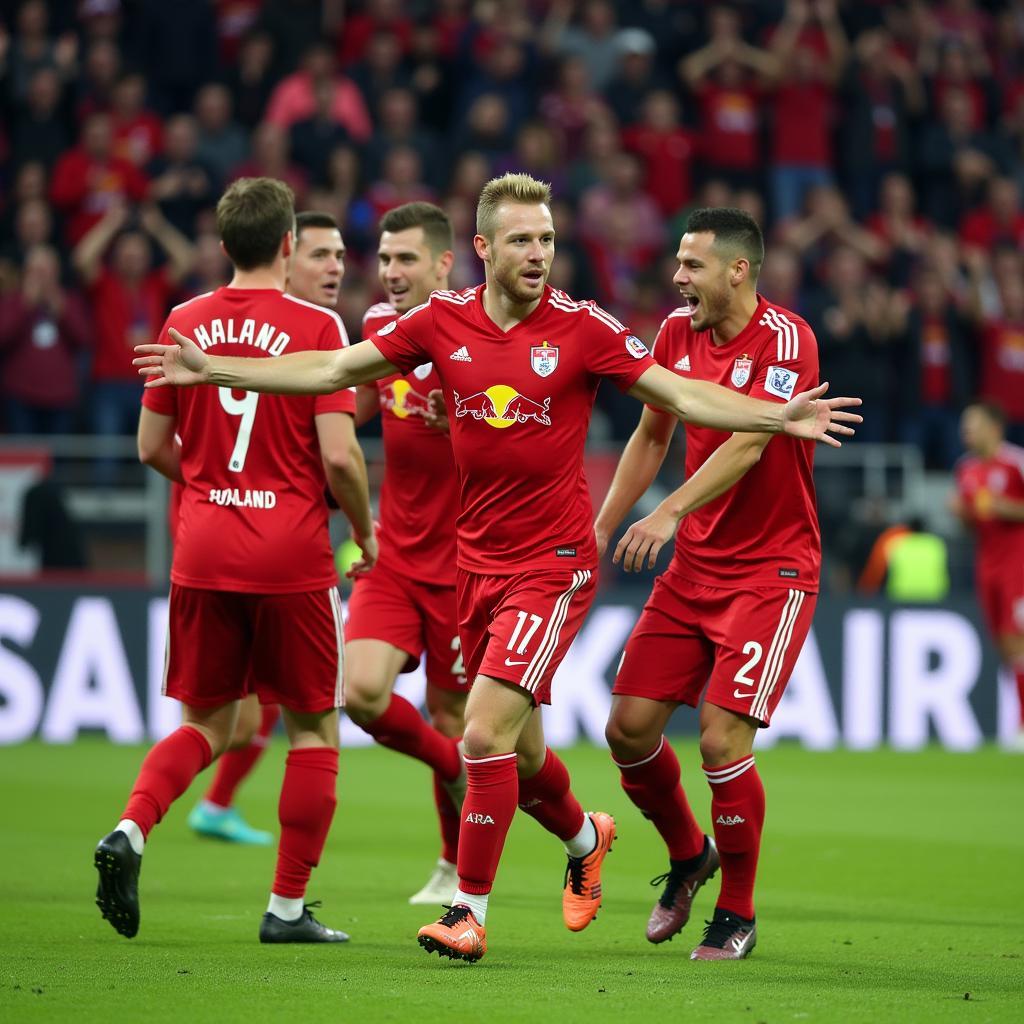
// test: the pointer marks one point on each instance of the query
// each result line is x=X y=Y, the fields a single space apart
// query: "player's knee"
x=365 y=697
x=625 y=740
x=719 y=746
x=481 y=740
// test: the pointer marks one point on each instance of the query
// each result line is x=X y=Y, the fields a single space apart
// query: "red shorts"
x=518 y=628
x=222 y=645
x=1001 y=596
x=740 y=644
x=412 y=616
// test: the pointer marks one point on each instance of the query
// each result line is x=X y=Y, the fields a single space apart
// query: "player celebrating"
x=519 y=365
x=729 y=616
x=253 y=594
x=406 y=606
x=989 y=499
x=315 y=271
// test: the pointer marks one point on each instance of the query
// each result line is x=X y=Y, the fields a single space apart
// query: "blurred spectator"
x=314 y=138
x=600 y=144
x=379 y=17
x=881 y=92
x=536 y=151
x=728 y=77
x=89 y=179
x=32 y=49
x=957 y=64
x=638 y=75
x=911 y=562
x=138 y=132
x=666 y=149
x=100 y=75
x=294 y=24
x=271 y=158
x=811 y=60
x=1002 y=356
x=222 y=142
x=44 y=329
x=507 y=72
x=398 y=125
x=433 y=76
x=211 y=269
x=936 y=375
x=251 y=78
x=181 y=183
x=40 y=129
x=593 y=38
x=235 y=20
x=177 y=45
x=294 y=98
x=469 y=175
x=573 y=105
x=30 y=225
x=897 y=224
x=380 y=68
x=1000 y=221
x=485 y=128
x=781 y=277
x=130 y=300
x=401 y=181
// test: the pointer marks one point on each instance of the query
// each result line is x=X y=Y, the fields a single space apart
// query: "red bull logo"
x=500 y=406
x=399 y=397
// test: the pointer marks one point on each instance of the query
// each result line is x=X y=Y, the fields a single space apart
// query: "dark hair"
x=993 y=410
x=735 y=231
x=253 y=215
x=313 y=219
x=437 y=228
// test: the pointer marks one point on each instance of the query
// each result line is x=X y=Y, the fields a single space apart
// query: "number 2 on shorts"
x=246 y=408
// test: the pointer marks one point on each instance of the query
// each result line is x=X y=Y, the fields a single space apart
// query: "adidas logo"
x=461 y=355
x=729 y=819
x=479 y=819
x=684 y=363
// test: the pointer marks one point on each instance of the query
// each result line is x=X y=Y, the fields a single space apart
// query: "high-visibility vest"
x=918 y=568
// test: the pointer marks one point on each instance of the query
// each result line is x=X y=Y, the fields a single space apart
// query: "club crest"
x=741 y=371
x=544 y=359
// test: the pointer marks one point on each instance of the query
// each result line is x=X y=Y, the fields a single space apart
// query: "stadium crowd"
x=881 y=143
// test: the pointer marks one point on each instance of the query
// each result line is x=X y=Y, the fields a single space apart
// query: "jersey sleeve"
x=661 y=350
x=611 y=351
x=788 y=364
x=406 y=342
x=333 y=336
x=162 y=400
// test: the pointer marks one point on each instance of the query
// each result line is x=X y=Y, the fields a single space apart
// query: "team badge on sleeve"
x=741 y=371
x=780 y=381
x=387 y=328
x=635 y=347
x=544 y=359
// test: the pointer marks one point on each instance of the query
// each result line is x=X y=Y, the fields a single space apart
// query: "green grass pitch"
x=891 y=889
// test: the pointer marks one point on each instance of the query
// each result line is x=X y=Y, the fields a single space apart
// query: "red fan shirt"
x=763 y=532
x=519 y=405
x=419 y=497
x=253 y=516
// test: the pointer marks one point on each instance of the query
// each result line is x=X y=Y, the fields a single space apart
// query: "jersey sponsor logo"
x=565 y=552
x=635 y=347
x=222 y=332
x=684 y=363
x=422 y=372
x=461 y=355
x=500 y=406
x=242 y=499
x=544 y=359
x=780 y=381
x=741 y=371
x=479 y=819
x=729 y=819
x=402 y=399
x=789 y=573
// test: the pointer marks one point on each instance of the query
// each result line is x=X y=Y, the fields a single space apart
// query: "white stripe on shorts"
x=549 y=644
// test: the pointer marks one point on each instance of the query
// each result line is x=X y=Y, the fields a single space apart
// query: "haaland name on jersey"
x=243 y=499
x=269 y=338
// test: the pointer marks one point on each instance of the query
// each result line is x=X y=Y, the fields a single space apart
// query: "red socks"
x=652 y=783
x=487 y=811
x=546 y=796
x=235 y=765
x=404 y=729
x=167 y=771
x=737 y=810
x=448 y=818
x=305 y=810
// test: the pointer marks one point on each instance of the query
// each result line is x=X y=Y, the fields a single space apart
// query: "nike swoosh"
x=740 y=693
x=509 y=664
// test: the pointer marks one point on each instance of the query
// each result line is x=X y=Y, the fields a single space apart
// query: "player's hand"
x=183 y=364
x=370 y=550
x=644 y=540
x=437 y=415
x=811 y=417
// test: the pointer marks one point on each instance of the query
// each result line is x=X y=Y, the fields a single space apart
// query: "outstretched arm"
x=808 y=415
x=317 y=372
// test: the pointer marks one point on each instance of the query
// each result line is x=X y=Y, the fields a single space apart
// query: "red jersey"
x=1000 y=541
x=1002 y=366
x=253 y=516
x=763 y=532
x=519 y=404
x=420 y=492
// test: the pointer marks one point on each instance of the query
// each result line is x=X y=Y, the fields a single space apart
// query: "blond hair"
x=509 y=188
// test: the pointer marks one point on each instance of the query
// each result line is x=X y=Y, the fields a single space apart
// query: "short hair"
x=314 y=219
x=253 y=215
x=436 y=225
x=735 y=231
x=509 y=188
x=993 y=410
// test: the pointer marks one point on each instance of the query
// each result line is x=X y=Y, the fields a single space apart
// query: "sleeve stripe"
x=786 y=332
x=561 y=301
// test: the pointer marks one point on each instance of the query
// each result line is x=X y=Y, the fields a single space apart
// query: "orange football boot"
x=581 y=898
x=456 y=935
